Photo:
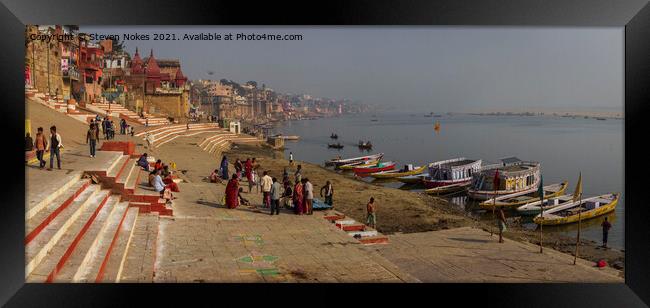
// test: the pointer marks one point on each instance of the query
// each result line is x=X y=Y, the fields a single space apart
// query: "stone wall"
x=173 y=105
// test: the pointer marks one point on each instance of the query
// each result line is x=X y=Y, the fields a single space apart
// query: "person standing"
x=248 y=170
x=606 y=226
x=238 y=167
x=502 y=223
x=371 y=209
x=309 y=197
x=298 y=199
x=224 y=168
x=41 y=145
x=298 y=174
x=91 y=140
x=266 y=184
x=55 y=148
x=329 y=192
x=232 y=192
x=291 y=158
x=276 y=193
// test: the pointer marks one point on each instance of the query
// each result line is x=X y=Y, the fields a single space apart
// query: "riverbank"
x=401 y=211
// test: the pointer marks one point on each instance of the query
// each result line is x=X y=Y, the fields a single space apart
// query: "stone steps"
x=58 y=252
x=141 y=251
x=364 y=234
x=113 y=264
x=38 y=247
x=89 y=243
x=100 y=250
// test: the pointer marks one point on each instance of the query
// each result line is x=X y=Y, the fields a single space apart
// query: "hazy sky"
x=422 y=68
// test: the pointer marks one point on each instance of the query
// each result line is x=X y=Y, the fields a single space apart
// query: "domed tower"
x=152 y=70
x=137 y=64
x=180 y=79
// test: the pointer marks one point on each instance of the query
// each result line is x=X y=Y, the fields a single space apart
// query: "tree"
x=117 y=45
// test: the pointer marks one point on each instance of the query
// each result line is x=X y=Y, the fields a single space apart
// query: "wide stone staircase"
x=95 y=232
x=119 y=111
x=58 y=104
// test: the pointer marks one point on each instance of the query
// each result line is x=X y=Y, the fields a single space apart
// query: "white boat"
x=346 y=161
x=535 y=208
x=515 y=176
x=574 y=211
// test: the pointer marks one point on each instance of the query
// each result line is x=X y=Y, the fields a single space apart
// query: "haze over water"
x=564 y=146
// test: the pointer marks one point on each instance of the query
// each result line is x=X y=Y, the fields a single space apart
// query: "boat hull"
x=369 y=170
x=411 y=179
x=439 y=183
x=582 y=216
x=392 y=175
x=488 y=205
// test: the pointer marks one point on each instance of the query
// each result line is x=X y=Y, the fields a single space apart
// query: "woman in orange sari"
x=298 y=198
x=232 y=189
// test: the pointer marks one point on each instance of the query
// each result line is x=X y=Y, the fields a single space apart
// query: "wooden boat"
x=335 y=145
x=380 y=166
x=368 y=163
x=290 y=137
x=365 y=145
x=413 y=179
x=407 y=170
x=526 y=196
x=340 y=162
x=334 y=136
x=515 y=176
x=585 y=209
x=451 y=171
x=534 y=208
x=441 y=190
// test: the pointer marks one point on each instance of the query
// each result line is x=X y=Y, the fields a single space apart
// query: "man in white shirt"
x=266 y=183
x=309 y=196
x=55 y=148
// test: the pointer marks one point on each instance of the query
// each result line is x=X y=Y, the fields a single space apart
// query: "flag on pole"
x=496 y=181
x=578 y=191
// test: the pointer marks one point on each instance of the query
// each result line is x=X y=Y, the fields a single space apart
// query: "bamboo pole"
x=575 y=258
x=494 y=204
x=541 y=227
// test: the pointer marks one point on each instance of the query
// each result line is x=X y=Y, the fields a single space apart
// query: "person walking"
x=91 y=139
x=501 y=220
x=276 y=193
x=371 y=217
x=309 y=197
x=606 y=226
x=329 y=192
x=266 y=184
x=40 y=143
x=55 y=148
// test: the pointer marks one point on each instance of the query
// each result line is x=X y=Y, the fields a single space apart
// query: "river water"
x=564 y=147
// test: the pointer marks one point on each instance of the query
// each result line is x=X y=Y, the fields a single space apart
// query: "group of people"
x=275 y=193
x=41 y=145
x=160 y=177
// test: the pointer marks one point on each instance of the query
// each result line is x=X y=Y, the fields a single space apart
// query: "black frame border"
x=634 y=15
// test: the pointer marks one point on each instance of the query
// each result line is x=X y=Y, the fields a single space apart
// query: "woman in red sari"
x=232 y=190
x=248 y=171
x=298 y=198
x=169 y=180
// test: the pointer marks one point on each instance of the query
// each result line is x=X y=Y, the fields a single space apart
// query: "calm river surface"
x=564 y=146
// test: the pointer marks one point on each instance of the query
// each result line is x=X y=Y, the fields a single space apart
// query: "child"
x=371 y=208
x=242 y=200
